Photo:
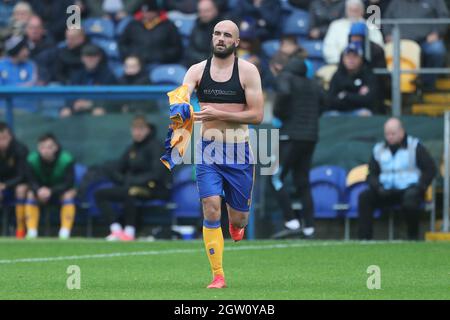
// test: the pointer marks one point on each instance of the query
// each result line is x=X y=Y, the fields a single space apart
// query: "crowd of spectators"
x=36 y=48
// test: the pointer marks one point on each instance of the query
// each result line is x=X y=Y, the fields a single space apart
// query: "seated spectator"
x=336 y=38
x=54 y=14
x=95 y=72
x=6 y=9
x=297 y=104
x=199 y=47
x=135 y=75
x=321 y=14
x=374 y=57
x=353 y=88
x=16 y=68
x=51 y=179
x=37 y=39
x=288 y=48
x=67 y=59
x=265 y=13
x=13 y=160
x=139 y=175
x=155 y=37
x=20 y=15
x=429 y=36
x=249 y=45
x=400 y=171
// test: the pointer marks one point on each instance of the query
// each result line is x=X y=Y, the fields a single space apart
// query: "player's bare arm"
x=253 y=113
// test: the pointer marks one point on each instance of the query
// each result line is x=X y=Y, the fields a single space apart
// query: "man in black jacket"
x=400 y=171
x=353 y=88
x=155 y=38
x=297 y=105
x=13 y=157
x=139 y=174
x=200 y=40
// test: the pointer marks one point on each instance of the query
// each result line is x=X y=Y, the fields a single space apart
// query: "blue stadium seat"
x=116 y=66
x=296 y=23
x=328 y=187
x=80 y=171
x=122 y=25
x=109 y=46
x=184 y=24
x=270 y=47
x=99 y=27
x=313 y=48
x=185 y=194
x=168 y=74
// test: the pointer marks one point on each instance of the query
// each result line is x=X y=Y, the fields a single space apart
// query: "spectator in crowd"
x=297 y=104
x=429 y=36
x=353 y=88
x=20 y=15
x=374 y=57
x=321 y=14
x=16 y=68
x=336 y=38
x=13 y=159
x=155 y=37
x=51 y=179
x=199 y=41
x=94 y=72
x=67 y=60
x=288 y=47
x=249 y=45
x=54 y=14
x=139 y=175
x=266 y=15
x=400 y=171
x=135 y=75
x=37 y=38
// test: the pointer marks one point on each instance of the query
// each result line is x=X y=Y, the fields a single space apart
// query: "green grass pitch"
x=254 y=270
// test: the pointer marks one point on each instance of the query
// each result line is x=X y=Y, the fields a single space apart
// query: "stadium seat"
x=80 y=171
x=270 y=47
x=168 y=74
x=116 y=66
x=410 y=53
x=313 y=48
x=184 y=22
x=122 y=25
x=185 y=194
x=109 y=46
x=297 y=23
x=328 y=187
x=99 y=27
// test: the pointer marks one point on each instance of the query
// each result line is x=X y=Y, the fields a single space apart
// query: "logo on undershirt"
x=217 y=92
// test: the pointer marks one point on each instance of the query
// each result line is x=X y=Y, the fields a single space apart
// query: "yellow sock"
x=213 y=239
x=31 y=215
x=20 y=215
x=67 y=214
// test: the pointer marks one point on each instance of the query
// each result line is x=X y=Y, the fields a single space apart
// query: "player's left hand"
x=208 y=113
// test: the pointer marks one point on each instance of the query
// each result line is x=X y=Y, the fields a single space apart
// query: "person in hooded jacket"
x=298 y=105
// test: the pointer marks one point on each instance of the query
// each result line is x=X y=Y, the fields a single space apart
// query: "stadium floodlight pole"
x=447 y=171
x=396 y=93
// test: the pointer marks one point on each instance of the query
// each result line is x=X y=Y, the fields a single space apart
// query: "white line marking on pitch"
x=173 y=251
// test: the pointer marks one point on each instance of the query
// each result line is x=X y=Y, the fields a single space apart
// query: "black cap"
x=14 y=44
x=91 y=50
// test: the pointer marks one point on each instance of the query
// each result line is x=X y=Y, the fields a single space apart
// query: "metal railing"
x=396 y=71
